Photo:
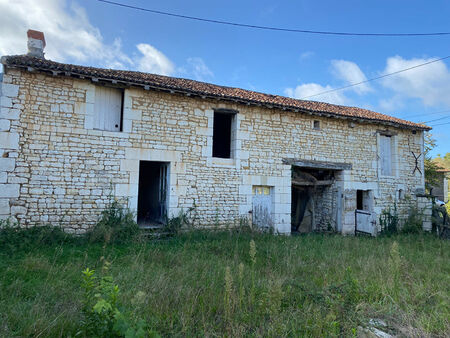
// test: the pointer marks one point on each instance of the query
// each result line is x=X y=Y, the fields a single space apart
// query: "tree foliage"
x=432 y=175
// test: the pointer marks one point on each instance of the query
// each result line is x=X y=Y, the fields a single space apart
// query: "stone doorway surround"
x=130 y=164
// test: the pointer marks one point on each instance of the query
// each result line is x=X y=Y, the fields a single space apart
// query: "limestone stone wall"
x=55 y=168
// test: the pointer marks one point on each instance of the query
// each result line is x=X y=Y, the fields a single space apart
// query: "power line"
x=268 y=27
x=441 y=118
x=375 y=78
x=422 y=114
x=439 y=124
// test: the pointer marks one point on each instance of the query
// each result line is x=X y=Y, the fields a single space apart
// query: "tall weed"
x=102 y=316
x=117 y=225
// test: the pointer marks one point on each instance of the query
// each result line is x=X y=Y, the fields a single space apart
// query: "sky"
x=89 y=32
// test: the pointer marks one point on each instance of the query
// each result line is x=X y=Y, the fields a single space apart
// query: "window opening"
x=222 y=134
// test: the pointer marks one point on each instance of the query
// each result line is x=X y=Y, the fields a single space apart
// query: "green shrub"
x=414 y=223
x=389 y=220
x=175 y=224
x=101 y=314
x=117 y=225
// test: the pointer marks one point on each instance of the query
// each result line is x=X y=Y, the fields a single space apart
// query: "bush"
x=175 y=224
x=389 y=220
x=413 y=224
x=117 y=225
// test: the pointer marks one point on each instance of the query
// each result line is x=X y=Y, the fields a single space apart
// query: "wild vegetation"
x=233 y=283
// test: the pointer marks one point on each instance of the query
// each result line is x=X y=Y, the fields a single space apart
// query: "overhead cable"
x=281 y=29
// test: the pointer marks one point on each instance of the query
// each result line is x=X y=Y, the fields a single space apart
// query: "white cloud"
x=343 y=70
x=391 y=104
x=307 y=89
x=306 y=55
x=430 y=83
x=197 y=69
x=70 y=37
x=153 y=61
x=350 y=72
x=68 y=32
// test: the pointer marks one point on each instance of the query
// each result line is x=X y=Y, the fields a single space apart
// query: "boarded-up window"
x=108 y=108
x=386 y=155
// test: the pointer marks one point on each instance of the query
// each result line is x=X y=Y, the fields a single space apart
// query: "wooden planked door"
x=363 y=222
x=262 y=207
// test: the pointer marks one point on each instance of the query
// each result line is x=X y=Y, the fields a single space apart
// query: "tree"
x=432 y=176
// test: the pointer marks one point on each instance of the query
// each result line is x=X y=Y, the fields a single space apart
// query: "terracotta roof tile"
x=207 y=89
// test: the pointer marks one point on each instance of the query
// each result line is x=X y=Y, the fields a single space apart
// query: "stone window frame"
x=86 y=108
x=316 y=124
x=121 y=92
x=236 y=148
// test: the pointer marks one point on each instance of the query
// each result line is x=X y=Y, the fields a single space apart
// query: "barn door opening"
x=153 y=193
x=312 y=200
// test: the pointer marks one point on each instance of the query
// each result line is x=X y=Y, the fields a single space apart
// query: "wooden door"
x=363 y=222
x=262 y=207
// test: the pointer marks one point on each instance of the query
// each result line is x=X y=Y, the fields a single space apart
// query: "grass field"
x=315 y=285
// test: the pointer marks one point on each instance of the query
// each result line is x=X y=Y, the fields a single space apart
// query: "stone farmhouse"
x=72 y=137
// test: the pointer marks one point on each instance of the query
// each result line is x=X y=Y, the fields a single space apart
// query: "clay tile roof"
x=191 y=87
x=36 y=35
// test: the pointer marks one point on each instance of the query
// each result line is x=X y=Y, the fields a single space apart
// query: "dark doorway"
x=359 y=200
x=302 y=209
x=152 y=193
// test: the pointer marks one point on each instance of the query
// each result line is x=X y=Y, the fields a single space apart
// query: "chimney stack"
x=36 y=43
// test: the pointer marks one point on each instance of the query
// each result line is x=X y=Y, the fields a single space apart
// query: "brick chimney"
x=36 y=43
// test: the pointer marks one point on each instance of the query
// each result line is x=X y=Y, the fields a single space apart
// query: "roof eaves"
x=172 y=89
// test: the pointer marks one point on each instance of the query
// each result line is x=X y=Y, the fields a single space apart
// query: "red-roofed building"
x=73 y=136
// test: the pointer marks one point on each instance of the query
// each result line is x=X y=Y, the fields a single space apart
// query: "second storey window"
x=108 y=108
x=386 y=155
x=223 y=134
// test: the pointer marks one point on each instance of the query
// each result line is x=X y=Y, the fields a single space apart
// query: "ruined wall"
x=325 y=199
x=57 y=169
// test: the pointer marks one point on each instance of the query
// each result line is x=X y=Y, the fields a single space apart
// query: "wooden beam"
x=311 y=184
x=317 y=164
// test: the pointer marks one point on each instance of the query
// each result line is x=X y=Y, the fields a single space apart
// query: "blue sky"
x=93 y=33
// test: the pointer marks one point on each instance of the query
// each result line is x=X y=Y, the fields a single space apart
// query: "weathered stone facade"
x=55 y=168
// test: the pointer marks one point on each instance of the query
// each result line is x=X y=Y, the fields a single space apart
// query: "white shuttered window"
x=108 y=108
x=386 y=155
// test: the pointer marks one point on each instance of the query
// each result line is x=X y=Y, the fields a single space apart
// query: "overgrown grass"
x=208 y=284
